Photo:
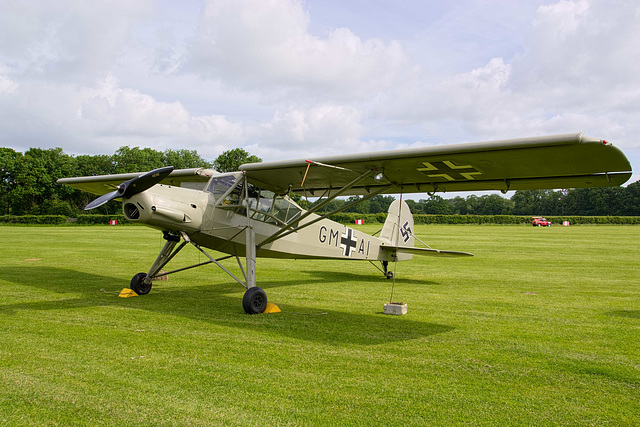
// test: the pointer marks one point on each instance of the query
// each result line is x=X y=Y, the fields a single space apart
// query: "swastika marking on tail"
x=406 y=231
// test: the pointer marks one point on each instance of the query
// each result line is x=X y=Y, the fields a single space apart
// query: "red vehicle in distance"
x=538 y=221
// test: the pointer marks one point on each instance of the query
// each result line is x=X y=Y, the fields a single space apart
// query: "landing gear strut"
x=141 y=283
x=388 y=274
x=254 y=300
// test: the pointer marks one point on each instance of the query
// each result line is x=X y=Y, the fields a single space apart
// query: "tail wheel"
x=254 y=300
x=138 y=284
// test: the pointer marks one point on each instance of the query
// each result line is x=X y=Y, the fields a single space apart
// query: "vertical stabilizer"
x=398 y=227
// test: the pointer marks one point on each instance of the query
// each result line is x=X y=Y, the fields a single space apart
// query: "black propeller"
x=133 y=186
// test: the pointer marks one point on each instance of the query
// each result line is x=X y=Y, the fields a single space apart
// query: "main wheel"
x=389 y=274
x=139 y=286
x=254 y=300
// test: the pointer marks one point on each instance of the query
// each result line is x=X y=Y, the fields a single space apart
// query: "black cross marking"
x=449 y=171
x=406 y=231
x=348 y=242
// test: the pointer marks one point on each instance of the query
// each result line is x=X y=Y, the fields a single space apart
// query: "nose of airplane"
x=138 y=207
x=166 y=207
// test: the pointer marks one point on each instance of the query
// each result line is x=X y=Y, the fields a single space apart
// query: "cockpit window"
x=264 y=205
x=285 y=209
x=218 y=185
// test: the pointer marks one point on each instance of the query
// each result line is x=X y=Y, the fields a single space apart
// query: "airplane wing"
x=423 y=251
x=558 y=161
x=103 y=184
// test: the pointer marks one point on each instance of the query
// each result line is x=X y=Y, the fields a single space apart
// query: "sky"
x=288 y=79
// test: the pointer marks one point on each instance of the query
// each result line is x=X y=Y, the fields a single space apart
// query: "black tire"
x=254 y=300
x=389 y=274
x=139 y=286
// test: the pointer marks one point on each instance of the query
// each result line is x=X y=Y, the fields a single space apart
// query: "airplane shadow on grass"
x=343 y=276
x=212 y=303
x=633 y=314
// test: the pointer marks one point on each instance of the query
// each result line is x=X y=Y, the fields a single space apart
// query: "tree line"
x=28 y=187
x=28 y=180
x=610 y=201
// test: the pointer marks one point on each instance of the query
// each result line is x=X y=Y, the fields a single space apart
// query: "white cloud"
x=581 y=45
x=581 y=67
x=110 y=112
x=66 y=40
x=101 y=118
x=266 y=45
x=578 y=71
x=7 y=85
x=319 y=130
x=463 y=98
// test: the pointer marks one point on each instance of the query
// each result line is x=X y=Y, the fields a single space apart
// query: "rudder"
x=398 y=227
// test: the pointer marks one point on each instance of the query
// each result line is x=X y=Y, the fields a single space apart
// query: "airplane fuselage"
x=221 y=226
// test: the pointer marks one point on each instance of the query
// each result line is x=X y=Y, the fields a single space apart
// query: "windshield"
x=221 y=184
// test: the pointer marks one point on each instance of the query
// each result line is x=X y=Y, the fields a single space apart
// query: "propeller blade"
x=145 y=181
x=133 y=186
x=102 y=200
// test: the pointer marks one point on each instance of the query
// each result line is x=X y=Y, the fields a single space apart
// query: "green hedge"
x=61 y=219
x=349 y=218
x=100 y=219
x=624 y=220
x=33 y=219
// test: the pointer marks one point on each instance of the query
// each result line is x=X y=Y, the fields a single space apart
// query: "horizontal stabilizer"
x=423 y=251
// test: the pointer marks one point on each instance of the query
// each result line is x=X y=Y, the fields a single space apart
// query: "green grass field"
x=541 y=327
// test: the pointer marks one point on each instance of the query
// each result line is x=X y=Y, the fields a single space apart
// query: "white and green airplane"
x=250 y=214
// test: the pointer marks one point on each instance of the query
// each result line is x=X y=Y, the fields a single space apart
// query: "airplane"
x=250 y=213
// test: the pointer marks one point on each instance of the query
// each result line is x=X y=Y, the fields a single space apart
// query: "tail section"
x=397 y=234
x=398 y=227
